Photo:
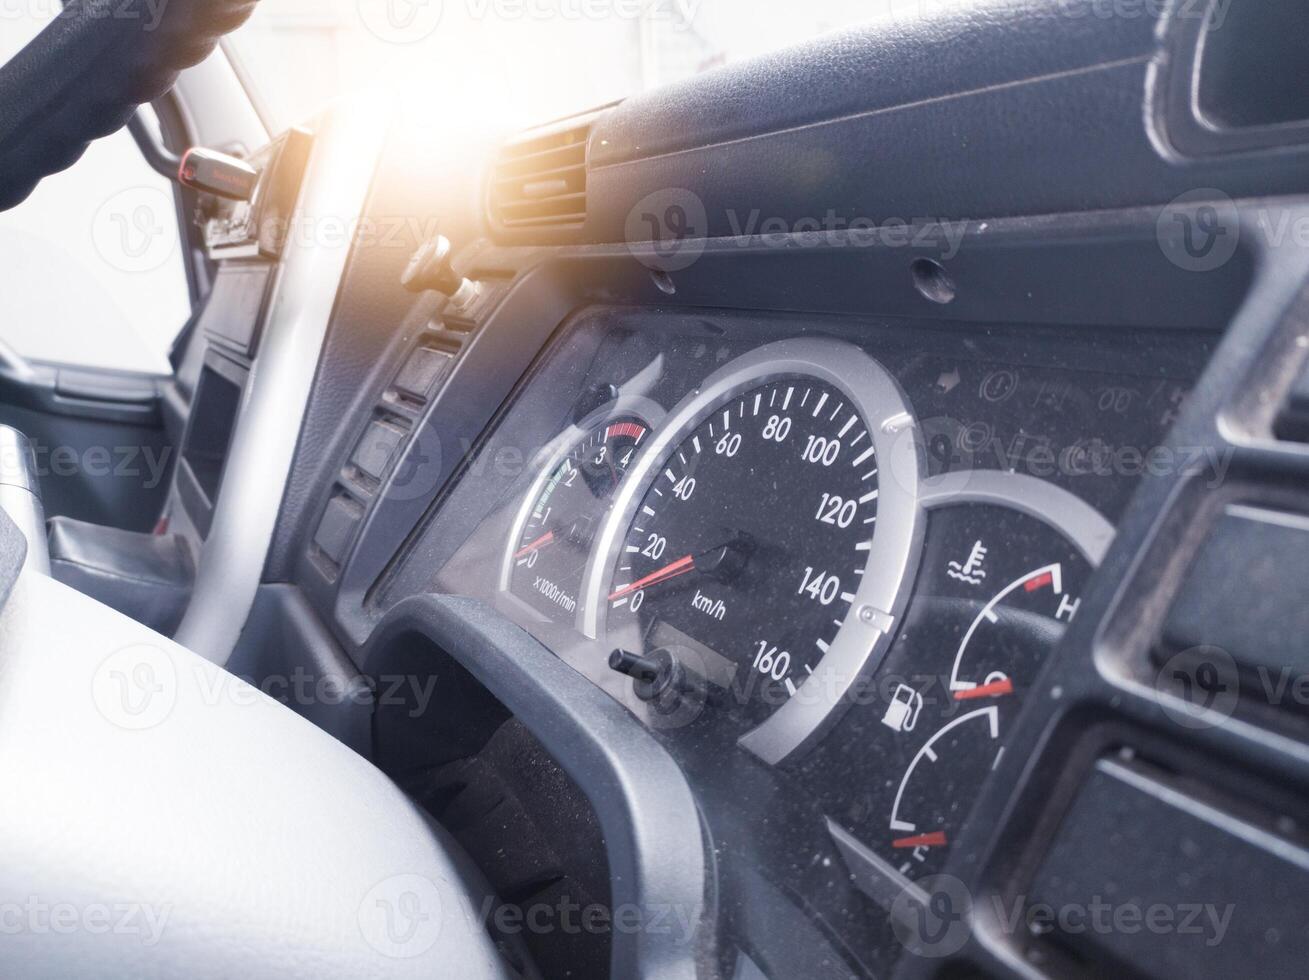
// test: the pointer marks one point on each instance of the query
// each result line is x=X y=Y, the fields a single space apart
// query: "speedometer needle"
x=536 y=545
x=671 y=570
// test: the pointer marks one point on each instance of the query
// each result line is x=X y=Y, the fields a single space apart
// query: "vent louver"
x=539 y=181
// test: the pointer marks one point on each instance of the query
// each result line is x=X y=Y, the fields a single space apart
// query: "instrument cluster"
x=840 y=550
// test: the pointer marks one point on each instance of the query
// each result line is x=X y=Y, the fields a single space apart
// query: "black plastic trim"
x=651 y=824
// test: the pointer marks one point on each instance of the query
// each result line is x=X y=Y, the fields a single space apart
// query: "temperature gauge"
x=999 y=625
x=1000 y=586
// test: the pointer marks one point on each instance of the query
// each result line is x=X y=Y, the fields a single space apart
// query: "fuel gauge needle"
x=536 y=545
x=671 y=570
x=993 y=690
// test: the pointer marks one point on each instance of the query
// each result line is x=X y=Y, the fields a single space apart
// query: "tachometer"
x=552 y=538
x=765 y=539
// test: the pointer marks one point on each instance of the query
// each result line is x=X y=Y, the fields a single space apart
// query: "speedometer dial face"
x=767 y=540
x=553 y=536
x=754 y=536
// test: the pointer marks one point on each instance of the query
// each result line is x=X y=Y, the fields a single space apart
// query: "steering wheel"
x=85 y=74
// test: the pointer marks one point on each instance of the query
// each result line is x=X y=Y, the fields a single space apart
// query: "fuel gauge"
x=998 y=628
x=998 y=588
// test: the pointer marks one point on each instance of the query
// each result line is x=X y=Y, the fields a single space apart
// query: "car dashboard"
x=733 y=546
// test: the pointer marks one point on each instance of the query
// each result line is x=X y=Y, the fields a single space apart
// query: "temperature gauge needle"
x=934 y=839
x=536 y=545
x=993 y=690
x=671 y=570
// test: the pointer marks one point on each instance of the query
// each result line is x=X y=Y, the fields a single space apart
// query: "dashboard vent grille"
x=539 y=180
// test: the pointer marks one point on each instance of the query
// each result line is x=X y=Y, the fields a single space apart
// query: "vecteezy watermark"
x=1199 y=687
x=1214 y=12
x=135 y=230
x=138 y=687
x=148 y=12
x=668 y=230
x=1199 y=231
x=400 y=21
x=1204 y=921
x=404 y=916
x=410 y=21
x=135 y=688
x=932 y=917
x=35 y=916
x=100 y=462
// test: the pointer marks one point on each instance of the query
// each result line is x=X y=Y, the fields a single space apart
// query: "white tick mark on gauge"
x=822 y=644
x=821 y=402
x=849 y=424
x=647 y=511
x=787 y=400
x=863 y=546
x=758 y=397
x=871 y=495
x=863 y=457
x=833 y=416
x=790 y=687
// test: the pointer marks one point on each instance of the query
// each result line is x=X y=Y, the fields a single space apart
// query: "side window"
x=91 y=265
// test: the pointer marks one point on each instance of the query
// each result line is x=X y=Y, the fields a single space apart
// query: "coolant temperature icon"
x=971 y=571
x=902 y=713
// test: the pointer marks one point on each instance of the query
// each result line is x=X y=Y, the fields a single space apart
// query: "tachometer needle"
x=536 y=545
x=672 y=570
x=993 y=690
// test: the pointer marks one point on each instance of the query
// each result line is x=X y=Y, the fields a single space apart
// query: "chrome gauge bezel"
x=650 y=413
x=892 y=561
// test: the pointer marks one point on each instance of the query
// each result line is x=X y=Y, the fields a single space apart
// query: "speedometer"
x=763 y=544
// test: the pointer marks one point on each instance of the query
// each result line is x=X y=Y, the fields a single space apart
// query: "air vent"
x=539 y=181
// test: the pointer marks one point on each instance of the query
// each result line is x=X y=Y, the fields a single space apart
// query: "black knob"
x=431 y=268
x=660 y=679
x=634 y=665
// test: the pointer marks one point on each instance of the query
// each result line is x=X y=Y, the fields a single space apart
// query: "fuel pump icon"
x=902 y=713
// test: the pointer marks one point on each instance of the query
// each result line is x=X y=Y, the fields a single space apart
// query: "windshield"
x=521 y=61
